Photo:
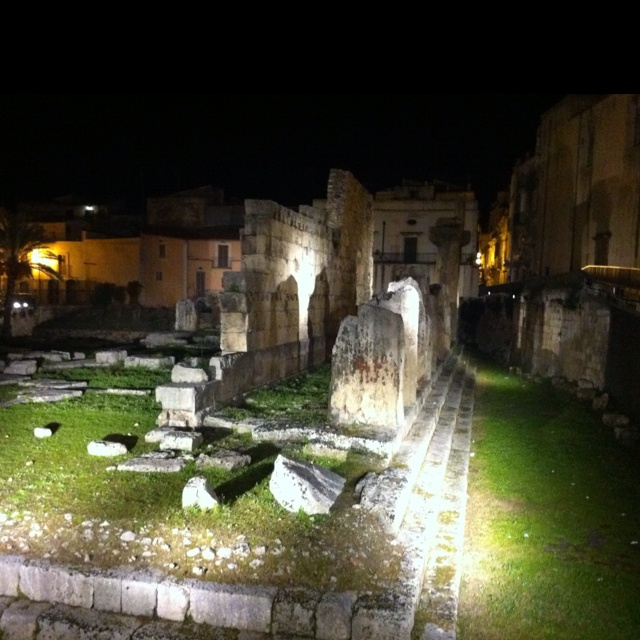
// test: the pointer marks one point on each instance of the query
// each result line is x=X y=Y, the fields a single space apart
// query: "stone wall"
x=302 y=273
x=561 y=332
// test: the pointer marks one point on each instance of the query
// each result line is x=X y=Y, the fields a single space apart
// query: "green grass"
x=553 y=527
x=116 y=376
x=55 y=483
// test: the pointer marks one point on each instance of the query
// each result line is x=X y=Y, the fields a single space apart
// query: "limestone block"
x=184 y=396
x=387 y=616
x=233 y=302
x=10 y=574
x=223 y=459
x=173 y=600
x=226 y=605
x=71 y=623
x=294 y=612
x=108 y=358
x=150 y=465
x=303 y=485
x=198 y=493
x=153 y=363
x=42 y=581
x=181 y=440
x=21 y=367
x=184 y=373
x=140 y=593
x=42 y=432
x=107 y=591
x=333 y=615
x=106 y=449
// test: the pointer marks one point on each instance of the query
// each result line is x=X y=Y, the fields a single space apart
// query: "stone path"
x=422 y=499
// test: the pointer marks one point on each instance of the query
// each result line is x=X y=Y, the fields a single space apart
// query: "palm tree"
x=18 y=238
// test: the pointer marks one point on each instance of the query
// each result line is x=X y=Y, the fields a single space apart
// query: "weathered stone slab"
x=21 y=367
x=238 y=607
x=49 y=395
x=107 y=591
x=150 y=465
x=53 y=383
x=198 y=493
x=333 y=615
x=367 y=369
x=19 y=620
x=184 y=396
x=42 y=581
x=106 y=448
x=222 y=459
x=181 y=440
x=149 y=362
x=173 y=600
x=108 y=358
x=294 y=612
x=140 y=593
x=185 y=373
x=69 y=623
x=10 y=574
x=303 y=485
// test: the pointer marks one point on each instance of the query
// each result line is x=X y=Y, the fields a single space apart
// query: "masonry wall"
x=302 y=273
x=563 y=333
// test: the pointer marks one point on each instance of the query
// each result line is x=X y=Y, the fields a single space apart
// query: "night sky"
x=267 y=146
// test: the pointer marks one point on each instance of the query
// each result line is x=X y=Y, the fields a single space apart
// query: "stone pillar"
x=186 y=316
x=367 y=369
x=449 y=236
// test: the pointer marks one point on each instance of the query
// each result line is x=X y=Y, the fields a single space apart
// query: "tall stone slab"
x=367 y=374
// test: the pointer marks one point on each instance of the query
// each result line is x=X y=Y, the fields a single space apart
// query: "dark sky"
x=267 y=146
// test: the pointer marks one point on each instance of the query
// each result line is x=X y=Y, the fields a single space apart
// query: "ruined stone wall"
x=563 y=334
x=302 y=273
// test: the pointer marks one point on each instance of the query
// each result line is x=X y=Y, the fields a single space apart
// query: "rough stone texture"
x=148 y=362
x=173 y=600
x=302 y=485
x=229 y=460
x=333 y=615
x=107 y=358
x=153 y=465
x=107 y=591
x=106 y=448
x=10 y=566
x=224 y=605
x=367 y=369
x=19 y=620
x=294 y=612
x=386 y=617
x=49 y=395
x=140 y=593
x=186 y=316
x=198 y=493
x=41 y=581
x=69 y=623
x=181 y=440
x=21 y=367
x=185 y=373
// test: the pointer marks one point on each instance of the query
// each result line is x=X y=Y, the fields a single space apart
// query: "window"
x=223 y=256
x=199 y=283
x=159 y=276
x=410 y=249
x=162 y=251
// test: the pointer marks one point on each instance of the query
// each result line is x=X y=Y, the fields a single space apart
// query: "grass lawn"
x=552 y=547
x=58 y=502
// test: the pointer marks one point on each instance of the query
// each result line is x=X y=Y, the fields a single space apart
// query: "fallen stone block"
x=181 y=440
x=221 y=459
x=151 y=465
x=303 y=485
x=108 y=358
x=49 y=395
x=149 y=362
x=21 y=367
x=185 y=373
x=198 y=493
x=106 y=449
x=42 y=432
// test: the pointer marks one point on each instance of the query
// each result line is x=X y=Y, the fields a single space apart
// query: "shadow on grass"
x=53 y=426
x=233 y=489
x=127 y=440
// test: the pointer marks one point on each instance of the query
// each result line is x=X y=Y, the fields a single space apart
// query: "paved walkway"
x=424 y=495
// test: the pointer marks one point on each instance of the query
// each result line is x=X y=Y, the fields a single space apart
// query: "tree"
x=18 y=238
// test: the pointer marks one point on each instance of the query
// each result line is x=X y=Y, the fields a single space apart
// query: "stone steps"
x=432 y=460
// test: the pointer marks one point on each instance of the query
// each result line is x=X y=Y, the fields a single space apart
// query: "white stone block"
x=181 y=440
x=106 y=449
x=198 y=493
x=140 y=593
x=107 y=591
x=173 y=600
x=10 y=574
x=108 y=358
x=238 y=607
